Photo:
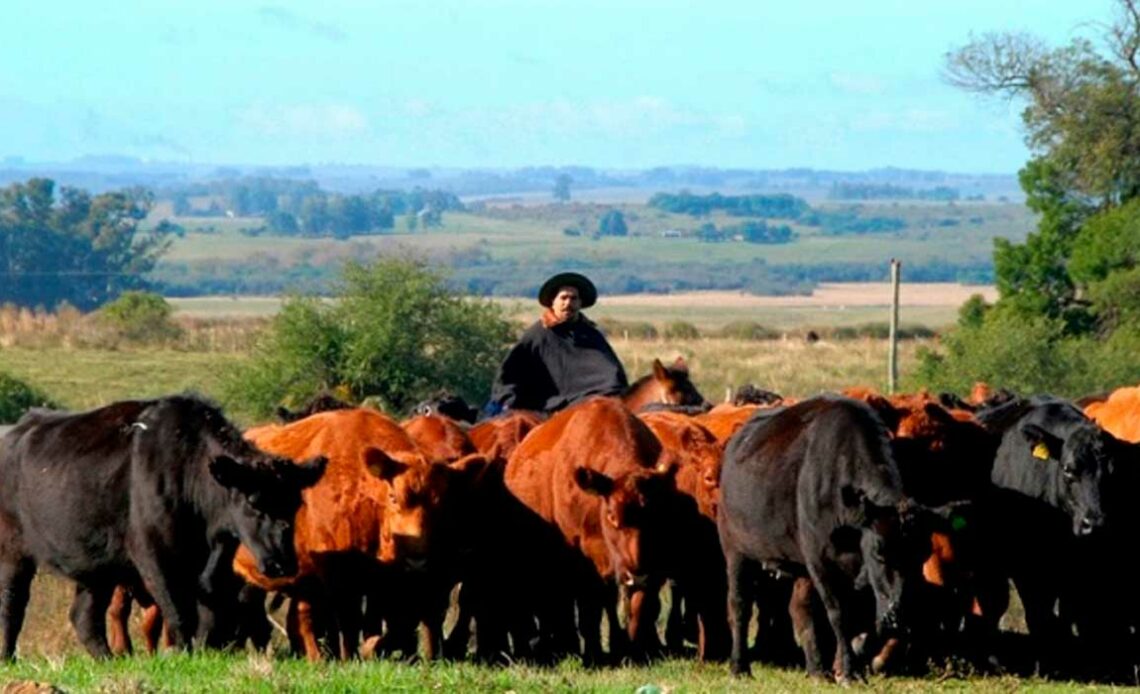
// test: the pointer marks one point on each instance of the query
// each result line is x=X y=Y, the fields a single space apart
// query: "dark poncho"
x=553 y=367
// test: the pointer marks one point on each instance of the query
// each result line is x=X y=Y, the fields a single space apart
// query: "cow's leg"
x=118 y=616
x=253 y=622
x=739 y=608
x=456 y=643
x=675 y=621
x=710 y=602
x=301 y=628
x=803 y=623
x=591 y=602
x=16 y=574
x=829 y=586
x=89 y=617
x=644 y=609
x=1044 y=627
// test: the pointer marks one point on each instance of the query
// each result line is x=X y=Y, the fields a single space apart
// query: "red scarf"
x=549 y=319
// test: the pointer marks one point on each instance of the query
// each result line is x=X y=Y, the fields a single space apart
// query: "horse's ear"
x=659 y=371
x=680 y=365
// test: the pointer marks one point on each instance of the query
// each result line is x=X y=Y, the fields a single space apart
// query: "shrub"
x=395 y=332
x=140 y=317
x=681 y=330
x=16 y=397
x=749 y=330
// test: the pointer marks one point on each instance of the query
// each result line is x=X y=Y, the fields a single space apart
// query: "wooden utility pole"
x=893 y=358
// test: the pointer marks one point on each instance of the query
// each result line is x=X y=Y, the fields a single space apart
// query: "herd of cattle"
x=885 y=530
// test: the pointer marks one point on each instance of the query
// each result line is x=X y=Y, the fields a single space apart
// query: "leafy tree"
x=612 y=223
x=562 y=187
x=74 y=247
x=395 y=332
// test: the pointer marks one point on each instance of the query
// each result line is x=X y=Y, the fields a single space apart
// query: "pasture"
x=959 y=233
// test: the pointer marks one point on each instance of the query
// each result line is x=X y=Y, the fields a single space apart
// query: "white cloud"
x=634 y=117
x=909 y=120
x=309 y=120
x=861 y=84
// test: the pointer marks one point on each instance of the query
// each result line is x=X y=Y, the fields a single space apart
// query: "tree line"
x=779 y=206
x=301 y=208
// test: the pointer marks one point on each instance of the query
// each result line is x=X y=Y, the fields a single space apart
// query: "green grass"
x=85 y=378
x=535 y=233
x=254 y=673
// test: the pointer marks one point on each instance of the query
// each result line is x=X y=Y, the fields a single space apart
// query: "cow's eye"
x=612 y=518
x=1070 y=473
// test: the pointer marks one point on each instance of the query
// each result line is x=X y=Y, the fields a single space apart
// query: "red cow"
x=589 y=472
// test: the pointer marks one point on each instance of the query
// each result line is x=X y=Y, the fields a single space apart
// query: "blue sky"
x=503 y=83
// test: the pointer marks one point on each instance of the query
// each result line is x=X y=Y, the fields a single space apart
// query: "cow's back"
x=600 y=434
x=342 y=512
x=786 y=470
x=1119 y=414
x=65 y=483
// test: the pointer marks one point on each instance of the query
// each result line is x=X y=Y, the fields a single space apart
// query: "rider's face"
x=566 y=303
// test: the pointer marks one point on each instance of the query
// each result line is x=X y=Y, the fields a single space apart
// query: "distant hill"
x=106 y=172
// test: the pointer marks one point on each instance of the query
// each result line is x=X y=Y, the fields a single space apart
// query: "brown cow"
x=701 y=585
x=498 y=437
x=1119 y=415
x=724 y=420
x=590 y=473
x=372 y=514
x=439 y=438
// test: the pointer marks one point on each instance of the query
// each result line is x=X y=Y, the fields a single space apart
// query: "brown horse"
x=664 y=385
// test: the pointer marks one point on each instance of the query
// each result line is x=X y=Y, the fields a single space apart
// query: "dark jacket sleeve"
x=512 y=375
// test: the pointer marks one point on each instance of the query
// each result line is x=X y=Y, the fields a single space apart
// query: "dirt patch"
x=825 y=295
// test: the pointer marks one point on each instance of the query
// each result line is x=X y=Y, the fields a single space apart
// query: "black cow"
x=812 y=490
x=137 y=493
x=1052 y=475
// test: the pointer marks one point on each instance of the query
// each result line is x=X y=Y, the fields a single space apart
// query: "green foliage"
x=72 y=246
x=140 y=317
x=395 y=331
x=612 y=223
x=781 y=206
x=16 y=397
x=680 y=330
x=973 y=312
x=749 y=330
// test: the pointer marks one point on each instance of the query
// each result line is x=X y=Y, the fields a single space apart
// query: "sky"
x=618 y=84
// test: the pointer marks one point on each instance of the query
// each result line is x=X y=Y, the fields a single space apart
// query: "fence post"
x=893 y=354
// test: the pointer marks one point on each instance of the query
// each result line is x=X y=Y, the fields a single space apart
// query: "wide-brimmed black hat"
x=586 y=289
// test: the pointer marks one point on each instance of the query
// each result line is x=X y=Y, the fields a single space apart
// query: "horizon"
x=506 y=84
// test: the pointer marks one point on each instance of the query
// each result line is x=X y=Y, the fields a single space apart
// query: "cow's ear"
x=593 y=482
x=659 y=371
x=680 y=365
x=1042 y=444
x=233 y=475
x=381 y=465
x=938 y=413
x=885 y=410
x=308 y=473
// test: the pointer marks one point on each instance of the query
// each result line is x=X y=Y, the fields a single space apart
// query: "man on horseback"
x=560 y=359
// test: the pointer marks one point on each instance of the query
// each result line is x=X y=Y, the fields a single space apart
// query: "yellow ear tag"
x=1041 y=451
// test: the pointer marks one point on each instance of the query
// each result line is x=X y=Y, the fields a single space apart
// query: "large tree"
x=72 y=246
x=1082 y=124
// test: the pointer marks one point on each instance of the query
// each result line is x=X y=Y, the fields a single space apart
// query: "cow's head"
x=421 y=504
x=1079 y=468
x=262 y=505
x=890 y=551
x=638 y=511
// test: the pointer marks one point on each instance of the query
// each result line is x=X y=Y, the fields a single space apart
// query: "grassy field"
x=535 y=233
x=84 y=378
x=240 y=673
